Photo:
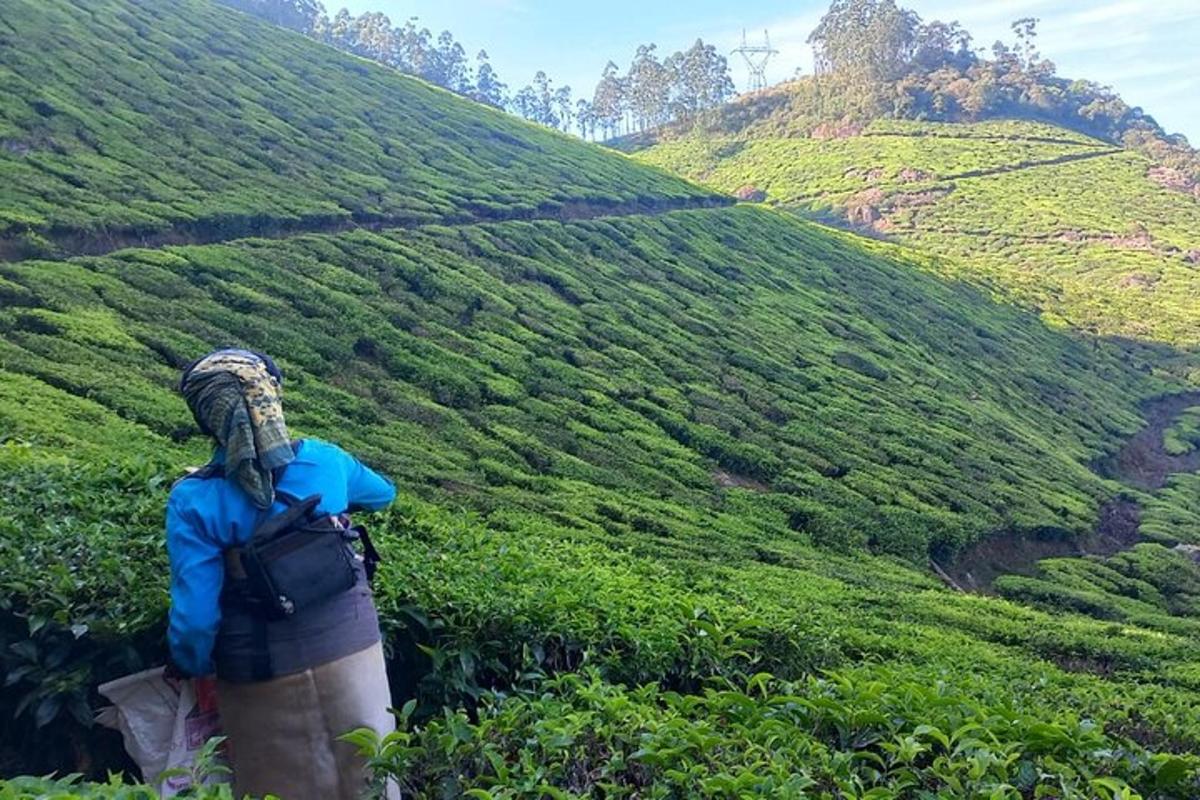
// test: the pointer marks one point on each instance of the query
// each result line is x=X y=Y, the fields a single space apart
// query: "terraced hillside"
x=1089 y=234
x=670 y=480
x=166 y=135
x=1082 y=230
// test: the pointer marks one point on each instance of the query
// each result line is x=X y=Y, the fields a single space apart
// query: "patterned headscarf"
x=234 y=396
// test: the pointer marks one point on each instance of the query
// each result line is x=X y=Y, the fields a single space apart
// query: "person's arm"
x=366 y=489
x=197 y=571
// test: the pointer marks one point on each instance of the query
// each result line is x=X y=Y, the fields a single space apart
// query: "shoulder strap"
x=371 y=557
x=287 y=498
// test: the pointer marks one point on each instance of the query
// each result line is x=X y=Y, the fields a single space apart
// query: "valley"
x=1142 y=463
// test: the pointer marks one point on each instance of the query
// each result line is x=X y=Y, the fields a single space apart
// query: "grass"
x=669 y=483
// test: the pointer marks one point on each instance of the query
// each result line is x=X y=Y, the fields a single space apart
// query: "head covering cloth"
x=234 y=397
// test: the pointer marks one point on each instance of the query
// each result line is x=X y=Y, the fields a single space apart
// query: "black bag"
x=295 y=560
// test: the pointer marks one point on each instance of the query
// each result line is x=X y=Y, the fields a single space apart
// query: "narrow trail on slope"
x=1066 y=158
x=75 y=243
x=998 y=137
x=1142 y=463
x=936 y=181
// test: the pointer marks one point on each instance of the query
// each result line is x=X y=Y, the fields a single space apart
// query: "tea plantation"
x=670 y=482
x=161 y=128
x=1073 y=227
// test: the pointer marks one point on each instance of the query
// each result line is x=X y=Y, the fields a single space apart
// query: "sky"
x=1148 y=50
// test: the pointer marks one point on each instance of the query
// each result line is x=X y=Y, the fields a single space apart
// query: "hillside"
x=672 y=471
x=167 y=136
x=1079 y=229
x=1087 y=233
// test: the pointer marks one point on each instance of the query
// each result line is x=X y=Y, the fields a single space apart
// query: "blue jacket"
x=206 y=517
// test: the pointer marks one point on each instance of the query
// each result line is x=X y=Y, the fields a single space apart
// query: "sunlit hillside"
x=1077 y=228
x=673 y=471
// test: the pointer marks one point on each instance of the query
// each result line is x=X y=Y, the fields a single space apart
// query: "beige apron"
x=283 y=733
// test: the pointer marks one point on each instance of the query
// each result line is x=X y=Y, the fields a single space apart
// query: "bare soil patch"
x=1142 y=462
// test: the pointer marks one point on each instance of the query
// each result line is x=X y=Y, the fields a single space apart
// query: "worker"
x=290 y=682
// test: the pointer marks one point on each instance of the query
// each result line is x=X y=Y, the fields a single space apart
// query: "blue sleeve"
x=197 y=571
x=366 y=488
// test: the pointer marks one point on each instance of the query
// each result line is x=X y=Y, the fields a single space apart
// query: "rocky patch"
x=750 y=194
x=1175 y=179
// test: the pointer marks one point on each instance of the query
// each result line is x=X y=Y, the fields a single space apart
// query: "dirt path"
x=1023 y=165
x=1142 y=463
x=998 y=138
x=72 y=243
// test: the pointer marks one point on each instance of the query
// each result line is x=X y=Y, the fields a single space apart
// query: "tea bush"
x=1184 y=436
x=842 y=735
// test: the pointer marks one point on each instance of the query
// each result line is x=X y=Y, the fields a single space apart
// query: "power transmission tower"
x=756 y=57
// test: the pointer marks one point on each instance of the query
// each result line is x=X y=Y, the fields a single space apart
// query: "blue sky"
x=1148 y=50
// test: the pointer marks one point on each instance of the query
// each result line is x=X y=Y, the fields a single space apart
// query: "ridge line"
x=996 y=137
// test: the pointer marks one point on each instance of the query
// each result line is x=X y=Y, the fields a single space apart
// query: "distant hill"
x=1051 y=191
x=1093 y=235
x=1089 y=233
x=643 y=437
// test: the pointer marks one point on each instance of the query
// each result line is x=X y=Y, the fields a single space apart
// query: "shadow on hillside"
x=1142 y=463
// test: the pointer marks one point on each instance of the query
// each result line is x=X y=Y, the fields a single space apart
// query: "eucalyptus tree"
x=700 y=80
x=488 y=88
x=563 y=107
x=585 y=118
x=609 y=101
x=871 y=39
x=649 y=88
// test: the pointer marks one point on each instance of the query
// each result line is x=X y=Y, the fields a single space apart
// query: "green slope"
x=1072 y=226
x=162 y=126
x=685 y=449
x=1079 y=229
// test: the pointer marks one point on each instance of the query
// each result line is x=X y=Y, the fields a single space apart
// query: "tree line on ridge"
x=652 y=92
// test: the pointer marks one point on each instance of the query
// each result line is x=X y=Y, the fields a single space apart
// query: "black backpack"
x=294 y=560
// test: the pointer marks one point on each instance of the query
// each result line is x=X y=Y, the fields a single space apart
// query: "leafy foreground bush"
x=843 y=735
x=206 y=766
x=70 y=788
x=847 y=735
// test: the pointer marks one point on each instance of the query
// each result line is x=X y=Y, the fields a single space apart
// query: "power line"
x=756 y=57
